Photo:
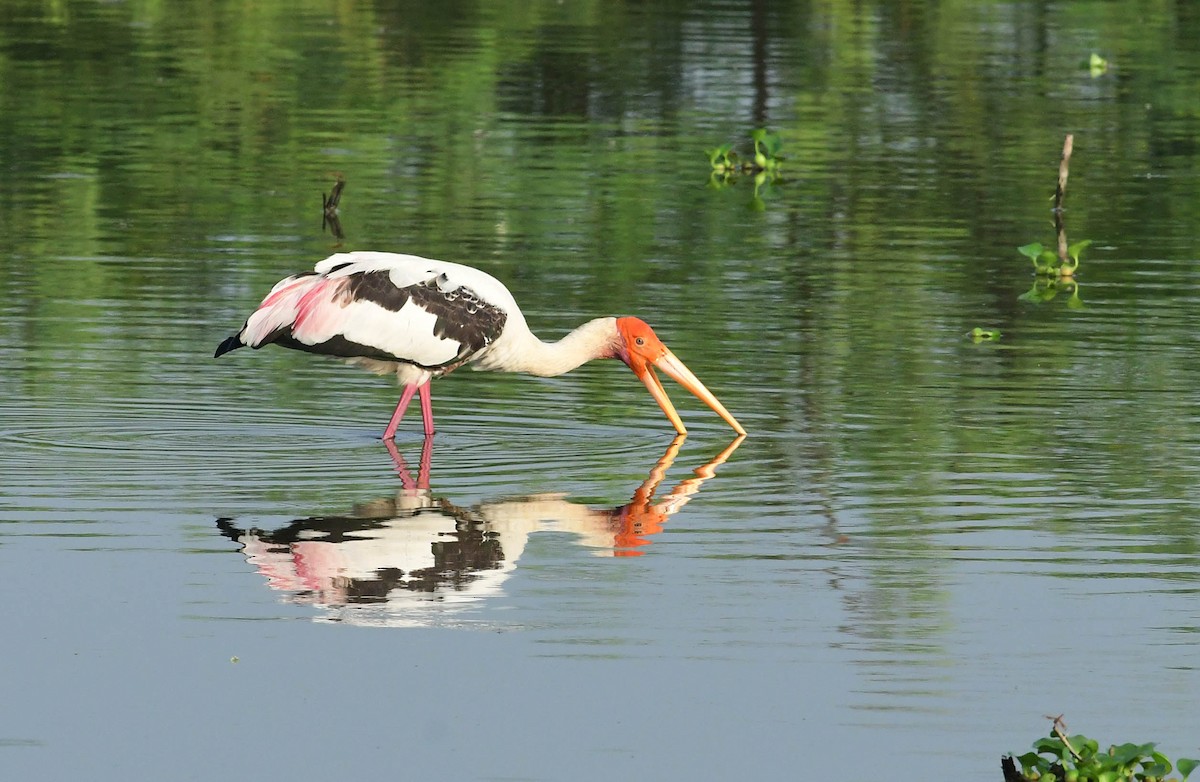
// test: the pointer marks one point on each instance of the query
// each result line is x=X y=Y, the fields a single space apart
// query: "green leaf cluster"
x=766 y=149
x=724 y=159
x=1046 y=263
x=765 y=167
x=1096 y=65
x=1079 y=759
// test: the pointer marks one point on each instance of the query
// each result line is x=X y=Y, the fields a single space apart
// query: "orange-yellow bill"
x=681 y=374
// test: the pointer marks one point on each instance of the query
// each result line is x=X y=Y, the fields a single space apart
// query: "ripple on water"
x=144 y=452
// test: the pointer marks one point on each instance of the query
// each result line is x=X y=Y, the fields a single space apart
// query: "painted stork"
x=419 y=319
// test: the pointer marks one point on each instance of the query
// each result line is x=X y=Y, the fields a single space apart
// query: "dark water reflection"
x=924 y=545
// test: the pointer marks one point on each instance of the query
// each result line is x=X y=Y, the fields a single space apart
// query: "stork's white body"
x=309 y=305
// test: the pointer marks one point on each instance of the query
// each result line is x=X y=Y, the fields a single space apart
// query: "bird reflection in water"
x=416 y=558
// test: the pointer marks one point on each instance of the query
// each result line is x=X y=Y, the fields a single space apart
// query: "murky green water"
x=215 y=568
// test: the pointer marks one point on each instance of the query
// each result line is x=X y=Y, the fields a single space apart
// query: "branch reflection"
x=413 y=558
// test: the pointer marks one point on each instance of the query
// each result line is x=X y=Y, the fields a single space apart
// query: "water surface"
x=215 y=568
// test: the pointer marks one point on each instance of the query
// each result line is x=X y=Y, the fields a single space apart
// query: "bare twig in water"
x=329 y=209
x=1063 y=166
x=1059 y=194
x=329 y=203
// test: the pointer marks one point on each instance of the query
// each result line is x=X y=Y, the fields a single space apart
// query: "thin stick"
x=1059 y=725
x=1059 y=194
x=1063 y=166
x=329 y=210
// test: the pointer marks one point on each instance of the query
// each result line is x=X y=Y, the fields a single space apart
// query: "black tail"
x=233 y=343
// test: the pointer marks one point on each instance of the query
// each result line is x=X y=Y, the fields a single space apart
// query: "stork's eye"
x=640 y=341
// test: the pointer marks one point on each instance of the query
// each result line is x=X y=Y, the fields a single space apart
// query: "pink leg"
x=405 y=398
x=427 y=409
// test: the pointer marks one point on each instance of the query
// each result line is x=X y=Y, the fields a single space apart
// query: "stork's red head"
x=642 y=351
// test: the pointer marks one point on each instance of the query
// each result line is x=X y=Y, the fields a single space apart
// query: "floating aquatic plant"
x=984 y=335
x=725 y=159
x=1078 y=758
x=1046 y=262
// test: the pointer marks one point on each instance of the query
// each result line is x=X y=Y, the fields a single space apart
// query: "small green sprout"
x=766 y=149
x=763 y=165
x=1096 y=65
x=1044 y=261
x=723 y=158
x=984 y=335
x=1068 y=268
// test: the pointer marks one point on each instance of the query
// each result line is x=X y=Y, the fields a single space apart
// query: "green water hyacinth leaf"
x=1032 y=761
x=984 y=335
x=1031 y=250
x=1087 y=747
x=722 y=157
x=1052 y=745
x=1126 y=752
x=767 y=143
x=1187 y=766
x=1077 y=248
x=719 y=152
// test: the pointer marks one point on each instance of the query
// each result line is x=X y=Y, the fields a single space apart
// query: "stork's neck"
x=524 y=352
